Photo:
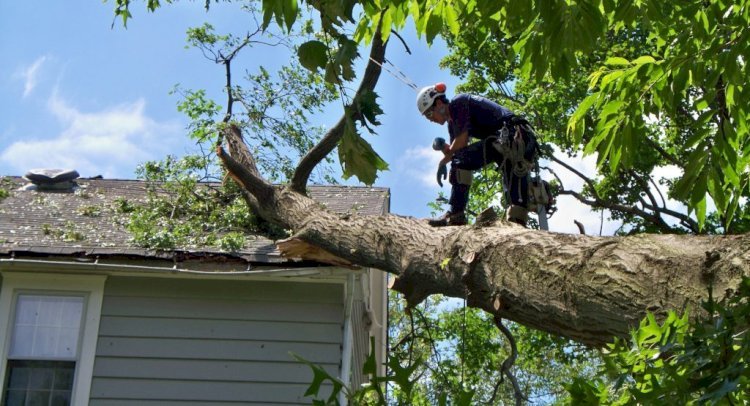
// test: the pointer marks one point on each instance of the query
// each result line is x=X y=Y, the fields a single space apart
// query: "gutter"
x=104 y=267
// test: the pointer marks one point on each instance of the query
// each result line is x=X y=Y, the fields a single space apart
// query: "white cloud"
x=30 y=75
x=109 y=142
x=568 y=207
x=420 y=164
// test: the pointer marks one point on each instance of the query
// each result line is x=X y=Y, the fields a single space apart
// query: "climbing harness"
x=522 y=157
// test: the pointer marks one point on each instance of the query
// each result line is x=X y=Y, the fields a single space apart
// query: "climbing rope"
x=398 y=74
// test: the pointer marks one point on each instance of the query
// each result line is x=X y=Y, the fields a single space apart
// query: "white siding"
x=361 y=343
x=174 y=341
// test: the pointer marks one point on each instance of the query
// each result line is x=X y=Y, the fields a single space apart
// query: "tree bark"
x=589 y=289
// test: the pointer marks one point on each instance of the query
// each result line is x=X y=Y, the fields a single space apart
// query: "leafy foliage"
x=5 y=187
x=676 y=362
x=182 y=210
x=358 y=157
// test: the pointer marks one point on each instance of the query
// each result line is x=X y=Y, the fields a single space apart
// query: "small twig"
x=508 y=363
x=411 y=342
x=653 y=182
x=581 y=229
x=408 y=51
x=576 y=172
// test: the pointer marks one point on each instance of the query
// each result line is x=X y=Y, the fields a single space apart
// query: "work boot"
x=449 y=219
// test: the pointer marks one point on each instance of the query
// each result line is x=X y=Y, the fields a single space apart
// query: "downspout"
x=348 y=339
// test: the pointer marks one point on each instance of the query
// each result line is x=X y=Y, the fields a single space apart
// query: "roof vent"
x=58 y=180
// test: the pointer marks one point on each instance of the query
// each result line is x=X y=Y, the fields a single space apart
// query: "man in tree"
x=505 y=139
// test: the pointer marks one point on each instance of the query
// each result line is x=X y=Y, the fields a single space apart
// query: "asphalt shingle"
x=86 y=223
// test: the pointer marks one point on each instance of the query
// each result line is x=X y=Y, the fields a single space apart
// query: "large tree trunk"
x=585 y=288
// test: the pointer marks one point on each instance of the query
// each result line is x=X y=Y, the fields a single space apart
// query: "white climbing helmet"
x=426 y=97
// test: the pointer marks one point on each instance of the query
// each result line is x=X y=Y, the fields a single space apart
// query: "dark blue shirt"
x=479 y=116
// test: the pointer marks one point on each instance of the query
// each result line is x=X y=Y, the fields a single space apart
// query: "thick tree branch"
x=332 y=137
x=581 y=228
x=241 y=166
x=585 y=288
x=684 y=219
x=661 y=195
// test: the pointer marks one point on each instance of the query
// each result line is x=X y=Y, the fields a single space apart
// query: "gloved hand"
x=438 y=144
x=442 y=172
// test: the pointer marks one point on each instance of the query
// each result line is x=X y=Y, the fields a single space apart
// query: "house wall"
x=165 y=341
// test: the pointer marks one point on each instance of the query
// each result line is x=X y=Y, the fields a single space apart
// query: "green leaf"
x=730 y=95
x=701 y=104
x=577 y=123
x=611 y=108
x=269 y=6
x=386 y=23
x=357 y=156
x=290 y=10
x=401 y=375
x=370 y=367
x=614 y=153
x=465 y=397
x=611 y=77
x=616 y=61
x=444 y=263
x=642 y=60
x=320 y=375
x=313 y=55
x=369 y=107
x=434 y=24
x=700 y=211
x=716 y=192
x=451 y=19
x=594 y=77
x=650 y=332
x=344 y=58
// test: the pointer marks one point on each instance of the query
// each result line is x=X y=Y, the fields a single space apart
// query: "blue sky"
x=79 y=93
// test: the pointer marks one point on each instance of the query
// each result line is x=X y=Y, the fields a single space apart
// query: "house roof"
x=84 y=223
